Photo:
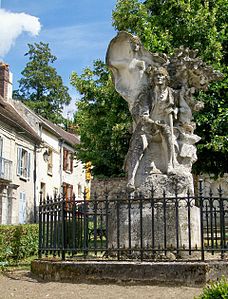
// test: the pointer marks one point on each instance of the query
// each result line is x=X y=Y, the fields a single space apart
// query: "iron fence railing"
x=127 y=227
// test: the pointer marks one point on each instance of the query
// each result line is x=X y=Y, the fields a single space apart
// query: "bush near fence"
x=18 y=242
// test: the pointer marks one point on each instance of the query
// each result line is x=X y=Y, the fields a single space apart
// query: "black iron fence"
x=133 y=227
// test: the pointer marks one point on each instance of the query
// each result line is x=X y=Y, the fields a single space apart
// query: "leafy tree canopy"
x=103 y=119
x=41 y=88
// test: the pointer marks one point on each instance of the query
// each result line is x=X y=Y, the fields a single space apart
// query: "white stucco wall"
x=10 y=191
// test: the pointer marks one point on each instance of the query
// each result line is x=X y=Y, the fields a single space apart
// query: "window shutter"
x=71 y=162
x=64 y=159
x=71 y=191
x=1 y=146
x=28 y=165
x=64 y=190
x=19 y=161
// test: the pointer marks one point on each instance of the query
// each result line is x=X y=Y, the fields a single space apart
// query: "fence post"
x=222 y=222
x=141 y=225
x=40 y=228
x=63 y=228
x=106 y=219
x=164 y=224
x=201 y=218
x=85 y=241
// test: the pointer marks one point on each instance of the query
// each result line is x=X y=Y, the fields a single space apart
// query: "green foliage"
x=216 y=290
x=165 y=25
x=41 y=88
x=17 y=242
x=103 y=119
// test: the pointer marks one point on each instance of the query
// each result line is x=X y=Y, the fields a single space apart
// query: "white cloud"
x=14 y=24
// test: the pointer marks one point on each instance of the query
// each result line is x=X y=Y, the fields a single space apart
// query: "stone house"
x=36 y=156
x=18 y=142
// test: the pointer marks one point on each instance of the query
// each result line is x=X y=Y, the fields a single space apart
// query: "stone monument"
x=160 y=91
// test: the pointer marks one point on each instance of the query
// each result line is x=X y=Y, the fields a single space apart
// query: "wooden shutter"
x=65 y=153
x=71 y=162
x=64 y=190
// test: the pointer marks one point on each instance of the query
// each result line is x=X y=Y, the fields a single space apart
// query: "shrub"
x=18 y=242
x=216 y=290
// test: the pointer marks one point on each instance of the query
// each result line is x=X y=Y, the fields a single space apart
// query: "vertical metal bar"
x=47 y=226
x=51 y=223
x=222 y=223
x=152 y=221
x=177 y=220
x=129 y=222
x=164 y=218
x=141 y=225
x=207 y=225
x=95 y=223
x=74 y=236
x=216 y=227
x=63 y=229
x=106 y=219
x=118 y=226
x=211 y=220
x=85 y=224
x=55 y=208
x=44 y=223
x=59 y=224
x=189 y=223
x=201 y=218
x=101 y=228
x=40 y=227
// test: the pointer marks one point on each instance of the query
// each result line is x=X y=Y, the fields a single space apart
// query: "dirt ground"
x=22 y=284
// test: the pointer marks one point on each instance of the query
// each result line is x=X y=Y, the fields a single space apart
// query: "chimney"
x=5 y=81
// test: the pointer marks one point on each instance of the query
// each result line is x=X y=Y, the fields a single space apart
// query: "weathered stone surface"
x=184 y=273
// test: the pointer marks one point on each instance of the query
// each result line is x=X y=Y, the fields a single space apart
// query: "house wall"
x=50 y=179
x=11 y=191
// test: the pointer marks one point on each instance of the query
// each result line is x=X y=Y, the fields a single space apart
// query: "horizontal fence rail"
x=127 y=227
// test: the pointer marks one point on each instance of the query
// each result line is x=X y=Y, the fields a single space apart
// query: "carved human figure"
x=153 y=114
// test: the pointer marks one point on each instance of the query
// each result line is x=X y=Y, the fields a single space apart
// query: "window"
x=23 y=163
x=79 y=190
x=68 y=191
x=68 y=158
x=22 y=207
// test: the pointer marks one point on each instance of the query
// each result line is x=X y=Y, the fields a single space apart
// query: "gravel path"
x=22 y=284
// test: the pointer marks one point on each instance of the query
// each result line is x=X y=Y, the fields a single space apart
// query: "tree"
x=41 y=88
x=198 y=24
x=103 y=119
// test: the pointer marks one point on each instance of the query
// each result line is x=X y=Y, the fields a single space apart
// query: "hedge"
x=18 y=242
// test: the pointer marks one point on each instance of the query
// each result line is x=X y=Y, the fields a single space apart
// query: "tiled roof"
x=69 y=138
x=13 y=118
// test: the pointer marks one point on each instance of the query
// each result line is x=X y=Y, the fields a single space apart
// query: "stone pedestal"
x=160 y=214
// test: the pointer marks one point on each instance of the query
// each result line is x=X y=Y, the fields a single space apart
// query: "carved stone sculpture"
x=159 y=91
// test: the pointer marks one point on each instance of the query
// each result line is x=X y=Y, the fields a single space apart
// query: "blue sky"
x=78 y=32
